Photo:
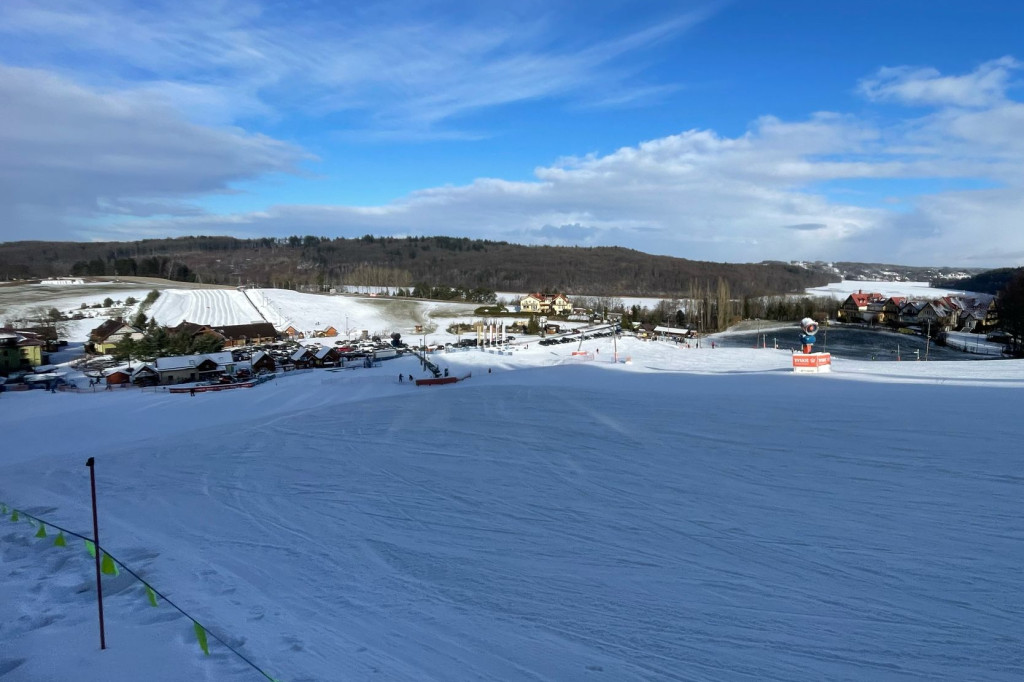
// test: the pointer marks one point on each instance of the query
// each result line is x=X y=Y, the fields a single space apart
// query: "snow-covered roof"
x=178 y=362
x=222 y=358
x=174 y=362
x=299 y=354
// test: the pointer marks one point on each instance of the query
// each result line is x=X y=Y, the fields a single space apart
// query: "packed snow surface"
x=694 y=514
x=846 y=287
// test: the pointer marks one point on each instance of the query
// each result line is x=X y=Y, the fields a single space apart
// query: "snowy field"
x=695 y=514
x=218 y=307
x=841 y=290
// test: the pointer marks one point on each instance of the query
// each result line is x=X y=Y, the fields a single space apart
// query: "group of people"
x=401 y=377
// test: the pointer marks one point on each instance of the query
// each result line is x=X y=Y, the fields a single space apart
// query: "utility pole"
x=927 y=340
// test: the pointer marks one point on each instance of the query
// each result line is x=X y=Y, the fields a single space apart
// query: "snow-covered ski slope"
x=694 y=515
x=304 y=312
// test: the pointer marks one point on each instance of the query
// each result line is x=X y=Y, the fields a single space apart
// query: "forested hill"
x=301 y=262
x=989 y=282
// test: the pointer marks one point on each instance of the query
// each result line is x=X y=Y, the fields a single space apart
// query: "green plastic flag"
x=14 y=515
x=201 y=636
x=90 y=547
x=60 y=541
x=151 y=594
x=41 y=533
x=108 y=566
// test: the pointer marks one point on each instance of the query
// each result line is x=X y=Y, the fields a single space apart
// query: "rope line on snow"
x=14 y=512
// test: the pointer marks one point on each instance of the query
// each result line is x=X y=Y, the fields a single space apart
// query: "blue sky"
x=730 y=131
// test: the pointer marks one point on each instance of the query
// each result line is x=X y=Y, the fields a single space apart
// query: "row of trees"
x=1011 y=311
x=158 y=342
x=442 y=293
x=312 y=262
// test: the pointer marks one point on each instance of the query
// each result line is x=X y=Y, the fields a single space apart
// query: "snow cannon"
x=809 y=328
x=806 y=362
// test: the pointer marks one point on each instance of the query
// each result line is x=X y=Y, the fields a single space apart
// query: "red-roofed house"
x=855 y=307
x=545 y=303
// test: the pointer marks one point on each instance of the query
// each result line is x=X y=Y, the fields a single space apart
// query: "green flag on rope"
x=14 y=515
x=90 y=547
x=151 y=594
x=41 y=533
x=201 y=636
x=60 y=541
x=108 y=566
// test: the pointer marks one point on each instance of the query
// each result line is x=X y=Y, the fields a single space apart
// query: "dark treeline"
x=989 y=282
x=316 y=263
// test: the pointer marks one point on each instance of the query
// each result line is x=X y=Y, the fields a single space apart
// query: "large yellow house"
x=21 y=350
x=545 y=303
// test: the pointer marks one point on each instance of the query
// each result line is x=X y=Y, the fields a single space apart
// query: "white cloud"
x=71 y=152
x=983 y=87
x=752 y=197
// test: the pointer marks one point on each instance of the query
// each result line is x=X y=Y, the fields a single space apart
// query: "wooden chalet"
x=328 y=356
x=302 y=358
x=262 y=362
x=145 y=375
x=255 y=333
x=117 y=377
x=181 y=369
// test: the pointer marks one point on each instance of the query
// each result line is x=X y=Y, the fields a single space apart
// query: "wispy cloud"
x=397 y=66
x=119 y=113
x=749 y=197
x=983 y=87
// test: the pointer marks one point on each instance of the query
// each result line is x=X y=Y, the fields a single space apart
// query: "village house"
x=673 y=333
x=909 y=311
x=328 y=356
x=557 y=304
x=180 y=369
x=255 y=333
x=891 y=309
x=20 y=350
x=855 y=307
x=938 y=314
x=302 y=358
x=979 y=313
x=262 y=362
x=145 y=375
x=104 y=338
x=31 y=351
x=10 y=356
x=118 y=376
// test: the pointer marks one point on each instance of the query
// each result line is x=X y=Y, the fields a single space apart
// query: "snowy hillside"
x=695 y=514
x=843 y=289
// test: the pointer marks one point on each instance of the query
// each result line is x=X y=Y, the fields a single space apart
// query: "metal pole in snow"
x=91 y=463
